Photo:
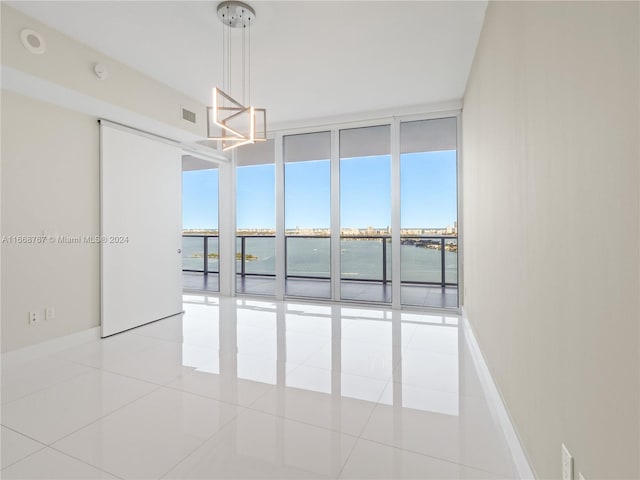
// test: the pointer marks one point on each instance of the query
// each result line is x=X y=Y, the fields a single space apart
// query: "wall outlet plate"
x=567 y=464
x=34 y=317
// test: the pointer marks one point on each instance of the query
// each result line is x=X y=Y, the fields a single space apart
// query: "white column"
x=280 y=227
x=335 y=214
x=395 y=212
x=227 y=226
x=460 y=216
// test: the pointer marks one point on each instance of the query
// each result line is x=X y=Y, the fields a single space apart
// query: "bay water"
x=360 y=258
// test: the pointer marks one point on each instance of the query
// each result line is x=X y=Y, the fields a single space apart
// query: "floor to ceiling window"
x=365 y=214
x=327 y=233
x=429 y=222
x=200 y=261
x=255 y=219
x=307 y=183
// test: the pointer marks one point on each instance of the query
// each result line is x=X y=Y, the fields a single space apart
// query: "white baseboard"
x=49 y=347
x=496 y=403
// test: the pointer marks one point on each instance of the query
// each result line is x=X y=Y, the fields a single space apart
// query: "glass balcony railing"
x=451 y=261
x=256 y=255
x=357 y=256
x=308 y=257
x=200 y=253
x=428 y=260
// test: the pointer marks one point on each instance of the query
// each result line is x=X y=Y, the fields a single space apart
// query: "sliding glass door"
x=365 y=214
x=307 y=183
x=256 y=219
x=200 y=262
x=326 y=231
x=429 y=221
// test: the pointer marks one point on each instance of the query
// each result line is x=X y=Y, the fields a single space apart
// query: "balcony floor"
x=415 y=295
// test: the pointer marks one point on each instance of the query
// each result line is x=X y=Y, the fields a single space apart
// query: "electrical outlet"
x=567 y=464
x=34 y=317
x=50 y=313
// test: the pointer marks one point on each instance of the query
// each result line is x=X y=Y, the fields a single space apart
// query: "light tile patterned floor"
x=246 y=388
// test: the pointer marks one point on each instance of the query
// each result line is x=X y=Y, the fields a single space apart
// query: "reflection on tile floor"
x=246 y=388
x=413 y=295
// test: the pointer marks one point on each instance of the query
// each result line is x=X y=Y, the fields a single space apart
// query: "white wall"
x=50 y=161
x=551 y=181
x=49 y=184
x=66 y=68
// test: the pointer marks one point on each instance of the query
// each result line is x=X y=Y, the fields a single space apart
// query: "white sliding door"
x=141 y=226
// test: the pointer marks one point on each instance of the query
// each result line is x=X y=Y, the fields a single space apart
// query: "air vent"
x=188 y=115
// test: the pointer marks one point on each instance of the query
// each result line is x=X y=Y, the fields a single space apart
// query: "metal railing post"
x=242 y=255
x=205 y=268
x=442 y=261
x=384 y=261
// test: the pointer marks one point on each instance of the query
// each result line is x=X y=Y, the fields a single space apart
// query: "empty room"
x=320 y=239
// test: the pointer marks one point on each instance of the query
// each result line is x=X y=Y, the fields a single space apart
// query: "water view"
x=361 y=259
x=361 y=161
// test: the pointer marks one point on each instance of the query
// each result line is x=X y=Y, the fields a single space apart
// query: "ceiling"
x=310 y=60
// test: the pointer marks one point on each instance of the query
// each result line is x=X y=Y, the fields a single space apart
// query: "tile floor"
x=244 y=388
x=414 y=295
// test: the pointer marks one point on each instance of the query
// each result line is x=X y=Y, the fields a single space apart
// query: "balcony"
x=429 y=267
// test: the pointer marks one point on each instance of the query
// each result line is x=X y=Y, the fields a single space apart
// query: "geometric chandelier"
x=232 y=122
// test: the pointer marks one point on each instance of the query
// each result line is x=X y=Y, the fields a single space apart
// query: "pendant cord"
x=223 y=58
x=229 y=53
x=249 y=68
x=244 y=63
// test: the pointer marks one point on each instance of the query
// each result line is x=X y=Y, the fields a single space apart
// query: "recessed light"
x=33 y=41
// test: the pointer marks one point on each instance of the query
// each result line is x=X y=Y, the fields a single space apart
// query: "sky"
x=427 y=193
x=200 y=199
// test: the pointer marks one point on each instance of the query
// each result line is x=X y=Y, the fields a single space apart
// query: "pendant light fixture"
x=232 y=122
